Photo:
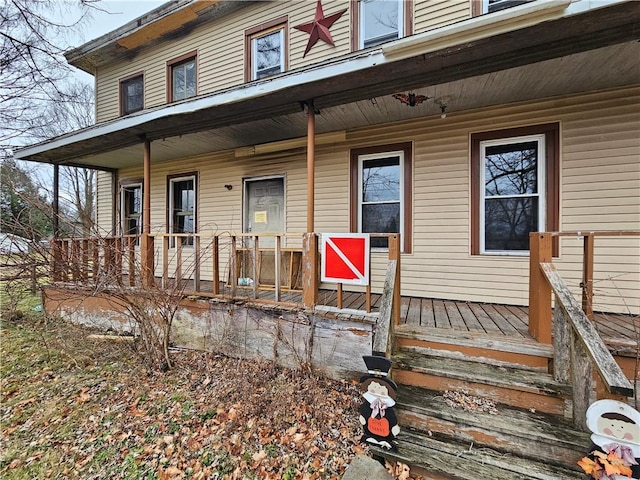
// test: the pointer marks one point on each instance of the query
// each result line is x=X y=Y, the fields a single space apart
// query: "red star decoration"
x=319 y=28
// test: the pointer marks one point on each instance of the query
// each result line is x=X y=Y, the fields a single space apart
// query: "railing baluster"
x=276 y=267
x=587 y=275
x=256 y=254
x=165 y=261
x=216 y=265
x=233 y=266
x=196 y=261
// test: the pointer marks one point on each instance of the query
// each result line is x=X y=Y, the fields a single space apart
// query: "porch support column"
x=56 y=200
x=146 y=241
x=310 y=247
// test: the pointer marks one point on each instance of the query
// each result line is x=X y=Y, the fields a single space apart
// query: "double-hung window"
x=380 y=21
x=490 y=6
x=266 y=49
x=514 y=188
x=381 y=193
x=181 y=73
x=182 y=207
x=131 y=94
x=131 y=208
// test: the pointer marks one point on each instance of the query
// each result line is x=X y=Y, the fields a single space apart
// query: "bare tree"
x=73 y=110
x=33 y=36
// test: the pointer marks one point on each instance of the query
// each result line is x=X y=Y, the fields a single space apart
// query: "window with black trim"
x=131 y=94
x=266 y=49
x=182 y=77
x=381 y=192
x=514 y=188
x=182 y=207
x=131 y=208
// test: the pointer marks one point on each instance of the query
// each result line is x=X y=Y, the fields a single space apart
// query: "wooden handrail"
x=581 y=340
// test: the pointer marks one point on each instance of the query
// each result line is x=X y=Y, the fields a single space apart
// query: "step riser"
x=508 y=443
x=521 y=399
x=511 y=357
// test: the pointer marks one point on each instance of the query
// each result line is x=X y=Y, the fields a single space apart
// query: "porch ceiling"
x=565 y=56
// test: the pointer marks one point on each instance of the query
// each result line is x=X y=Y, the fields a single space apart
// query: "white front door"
x=264 y=207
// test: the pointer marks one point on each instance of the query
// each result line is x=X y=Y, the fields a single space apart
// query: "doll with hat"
x=377 y=414
x=615 y=428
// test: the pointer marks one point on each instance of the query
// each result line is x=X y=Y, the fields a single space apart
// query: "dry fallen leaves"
x=210 y=417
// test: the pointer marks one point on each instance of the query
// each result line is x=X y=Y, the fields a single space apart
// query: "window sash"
x=183 y=79
x=367 y=15
x=365 y=205
x=490 y=6
x=537 y=198
x=131 y=210
x=275 y=65
x=182 y=219
x=132 y=94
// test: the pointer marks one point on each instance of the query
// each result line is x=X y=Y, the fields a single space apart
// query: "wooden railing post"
x=131 y=259
x=255 y=261
x=277 y=256
x=310 y=270
x=216 y=265
x=233 y=266
x=394 y=254
x=56 y=259
x=587 y=276
x=539 y=289
x=196 y=264
x=165 y=261
x=147 y=253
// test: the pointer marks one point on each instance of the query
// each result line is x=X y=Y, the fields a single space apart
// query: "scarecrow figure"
x=377 y=415
x=616 y=437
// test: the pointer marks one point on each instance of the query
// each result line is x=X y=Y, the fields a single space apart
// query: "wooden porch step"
x=532 y=435
x=462 y=461
x=524 y=351
x=522 y=388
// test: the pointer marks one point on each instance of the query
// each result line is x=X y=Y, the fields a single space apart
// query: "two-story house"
x=463 y=126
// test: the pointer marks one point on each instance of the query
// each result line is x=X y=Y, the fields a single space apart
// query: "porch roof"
x=532 y=37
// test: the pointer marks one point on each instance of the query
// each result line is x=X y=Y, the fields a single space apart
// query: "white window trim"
x=172 y=181
x=123 y=207
x=541 y=193
x=374 y=156
x=400 y=4
x=254 y=49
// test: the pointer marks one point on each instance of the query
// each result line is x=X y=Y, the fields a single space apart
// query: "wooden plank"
x=582 y=381
x=413 y=313
x=612 y=375
x=354 y=301
x=469 y=317
x=500 y=321
x=440 y=314
x=340 y=298
x=215 y=258
x=515 y=322
x=427 y=317
x=404 y=309
x=561 y=347
x=456 y=320
x=485 y=320
x=384 y=328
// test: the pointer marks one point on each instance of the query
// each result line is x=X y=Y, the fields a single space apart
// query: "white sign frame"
x=362 y=277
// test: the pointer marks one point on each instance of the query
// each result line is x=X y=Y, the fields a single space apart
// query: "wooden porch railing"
x=581 y=358
x=252 y=264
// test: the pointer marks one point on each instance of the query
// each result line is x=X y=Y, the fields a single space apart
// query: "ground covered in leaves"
x=76 y=408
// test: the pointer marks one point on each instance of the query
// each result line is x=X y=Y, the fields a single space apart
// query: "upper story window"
x=266 y=49
x=131 y=208
x=514 y=188
x=381 y=192
x=181 y=75
x=490 y=6
x=132 y=94
x=380 y=21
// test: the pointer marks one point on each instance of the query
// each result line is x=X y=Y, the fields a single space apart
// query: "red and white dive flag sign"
x=346 y=258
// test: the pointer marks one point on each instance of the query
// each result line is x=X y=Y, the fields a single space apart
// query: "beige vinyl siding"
x=104 y=203
x=431 y=14
x=600 y=185
x=221 y=57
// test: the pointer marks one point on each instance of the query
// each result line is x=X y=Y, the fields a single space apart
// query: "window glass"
x=132 y=95
x=132 y=210
x=183 y=208
x=381 y=194
x=496 y=5
x=183 y=78
x=381 y=21
x=511 y=197
x=267 y=54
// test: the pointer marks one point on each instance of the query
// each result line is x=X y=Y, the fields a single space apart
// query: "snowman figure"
x=377 y=415
x=615 y=427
